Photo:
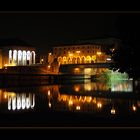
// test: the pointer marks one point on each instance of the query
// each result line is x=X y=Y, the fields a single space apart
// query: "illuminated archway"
x=78 y=60
x=32 y=57
x=64 y=60
x=83 y=59
x=69 y=60
x=28 y=57
x=74 y=60
x=60 y=61
x=10 y=56
x=15 y=56
x=88 y=59
x=19 y=57
x=24 y=57
x=93 y=59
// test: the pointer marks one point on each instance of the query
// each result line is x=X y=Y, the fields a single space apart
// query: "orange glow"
x=78 y=52
x=99 y=53
x=76 y=70
x=78 y=107
x=5 y=96
x=49 y=66
x=113 y=111
x=99 y=105
x=50 y=105
x=49 y=93
x=77 y=88
x=70 y=102
x=134 y=108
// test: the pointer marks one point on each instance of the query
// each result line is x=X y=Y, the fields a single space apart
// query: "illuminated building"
x=15 y=52
x=83 y=54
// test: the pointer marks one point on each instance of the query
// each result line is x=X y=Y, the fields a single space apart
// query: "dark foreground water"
x=80 y=104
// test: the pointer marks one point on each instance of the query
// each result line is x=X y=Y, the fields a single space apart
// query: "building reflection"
x=17 y=101
x=89 y=97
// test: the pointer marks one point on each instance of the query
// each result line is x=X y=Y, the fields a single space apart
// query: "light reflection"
x=50 y=105
x=99 y=105
x=113 y=111
x=21 y=101
x=134 y=108
x=78 y=107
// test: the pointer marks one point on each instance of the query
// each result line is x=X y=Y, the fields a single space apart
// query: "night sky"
x=44 y=30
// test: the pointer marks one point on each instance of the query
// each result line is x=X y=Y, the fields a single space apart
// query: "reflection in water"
x=73 y=98
x=21 y=101
x=17 y=101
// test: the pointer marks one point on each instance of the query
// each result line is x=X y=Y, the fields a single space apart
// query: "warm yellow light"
x=42 y=60
x=50 y=105
x=77 y=70
x=78 y=52
x=5 y=96
x=70 y=54
x=50 y=53
x=5 y=65
x=99 y=53
x=49 y=66
x=49 y=93
x=70 y=102
x=134 y=108
x=78 y=107
x=113 y=111
x=76 y=88
x=99 y=104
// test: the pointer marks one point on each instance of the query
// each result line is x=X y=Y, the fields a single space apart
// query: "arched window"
x=78 y=60
x=28 y=57
x=15 y=56
x=33 y=57
x=10 y=56
x=88 y=59
x=64 y=60
x=19 y=57
x=59 y=60
x=24 y=57
x=83 y=59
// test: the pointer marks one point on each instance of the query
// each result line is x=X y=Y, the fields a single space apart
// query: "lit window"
x=28 y=55
x=15 y=54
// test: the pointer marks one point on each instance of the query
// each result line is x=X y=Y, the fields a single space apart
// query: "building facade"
x=78 y=54
x=14 y=53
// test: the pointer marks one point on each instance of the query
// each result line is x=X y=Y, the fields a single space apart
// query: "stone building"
x=15 y=52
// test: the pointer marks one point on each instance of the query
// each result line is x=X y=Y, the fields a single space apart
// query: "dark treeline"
x=128 y=55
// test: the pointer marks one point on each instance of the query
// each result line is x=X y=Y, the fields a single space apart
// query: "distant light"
x=113 y=111
x=49 y=66
x=5 y=66
x=99 y=53
x=50 y=105
x=70 y=102
x=78 y=107
x=50 y=53
x=49 y=93
x=77 y=51
x=99 y=105
x=5 y=96
x=134 y=108
x=108 y=59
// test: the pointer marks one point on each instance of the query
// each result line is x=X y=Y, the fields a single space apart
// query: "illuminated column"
x=10 y=57
x=20 y=62
x=32 y=57
x=15 y=56
x=24 y=58
x=28 y=58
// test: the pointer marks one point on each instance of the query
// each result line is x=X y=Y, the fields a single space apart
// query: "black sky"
x=45 y=30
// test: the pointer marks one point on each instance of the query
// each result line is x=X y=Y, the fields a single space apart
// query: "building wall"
x=17 y=55
x=78 y=54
